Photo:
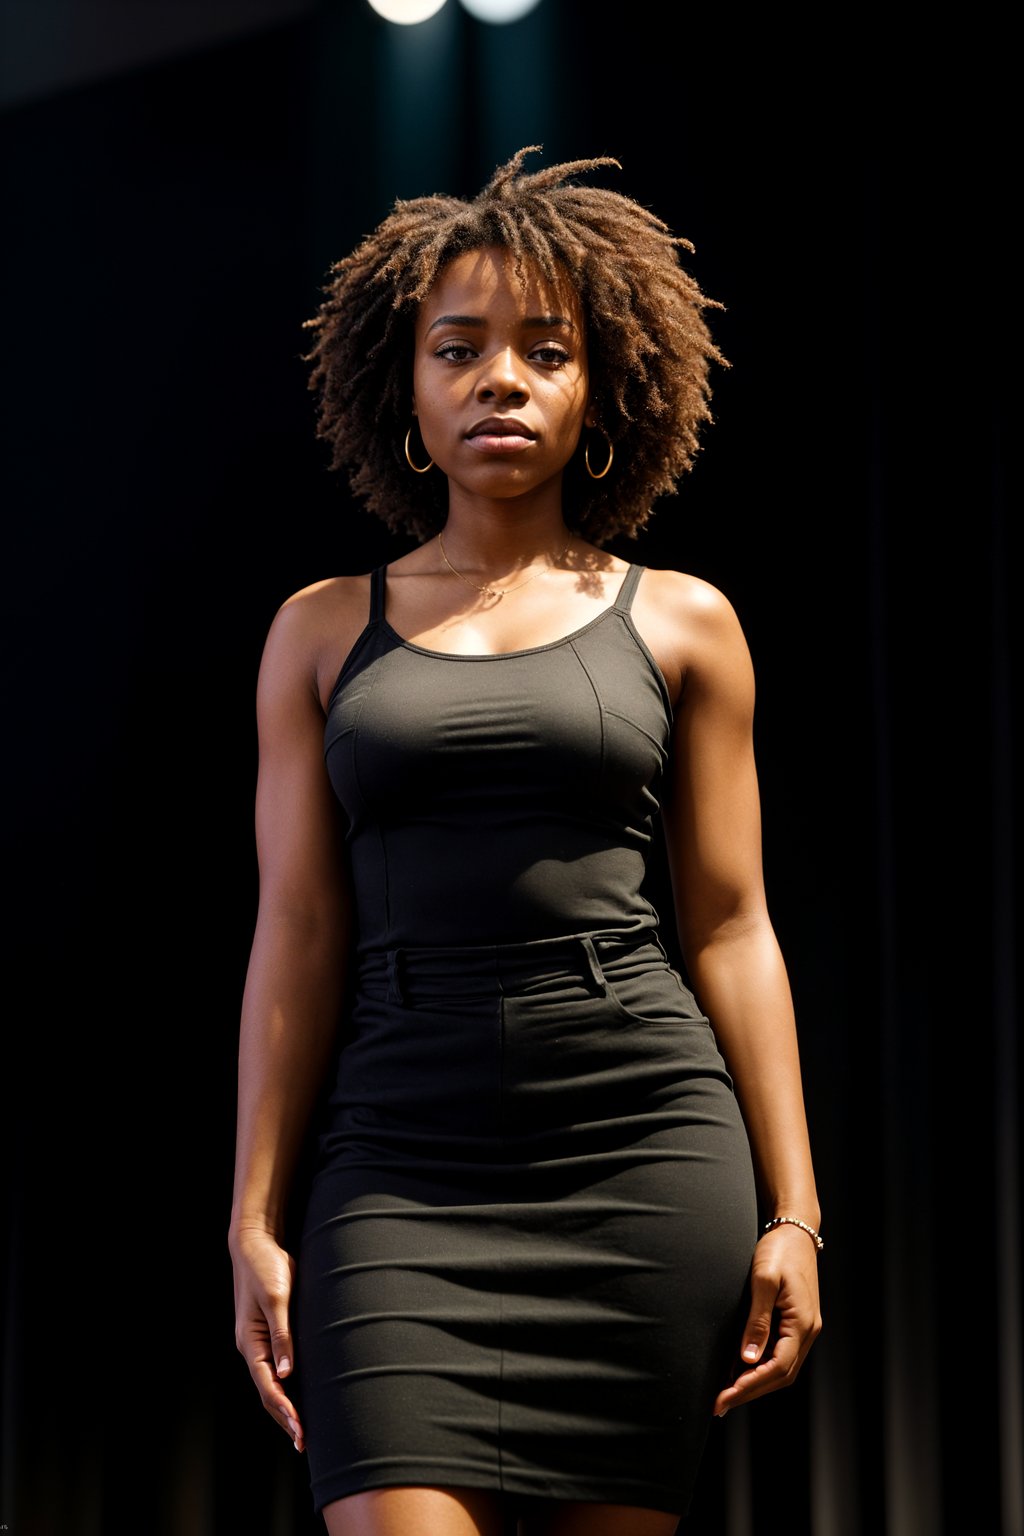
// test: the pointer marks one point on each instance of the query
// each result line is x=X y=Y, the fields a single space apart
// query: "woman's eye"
x=554 y=357
x=455 y=351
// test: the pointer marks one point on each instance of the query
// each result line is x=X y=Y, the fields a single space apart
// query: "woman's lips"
x=499 y=435
x=505 y=443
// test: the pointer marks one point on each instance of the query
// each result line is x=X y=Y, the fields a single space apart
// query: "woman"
x=542 y=1245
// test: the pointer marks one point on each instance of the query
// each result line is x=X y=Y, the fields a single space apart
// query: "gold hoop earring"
x=611 y=455
x=408 y=458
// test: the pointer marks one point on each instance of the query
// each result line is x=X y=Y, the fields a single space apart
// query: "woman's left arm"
x=713 y=830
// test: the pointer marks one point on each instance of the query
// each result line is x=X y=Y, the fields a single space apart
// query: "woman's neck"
x=500 y=537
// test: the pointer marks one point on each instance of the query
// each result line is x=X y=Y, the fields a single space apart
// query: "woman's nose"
x=503 y=378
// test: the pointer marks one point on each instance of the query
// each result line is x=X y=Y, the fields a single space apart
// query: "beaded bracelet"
x=779 y=1221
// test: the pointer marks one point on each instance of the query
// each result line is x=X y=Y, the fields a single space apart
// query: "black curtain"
x=168 y=226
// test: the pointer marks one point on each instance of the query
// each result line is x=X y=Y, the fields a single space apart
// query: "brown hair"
x=648 y=345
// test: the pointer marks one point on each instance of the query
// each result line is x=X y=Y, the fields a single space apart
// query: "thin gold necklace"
x=490 y=591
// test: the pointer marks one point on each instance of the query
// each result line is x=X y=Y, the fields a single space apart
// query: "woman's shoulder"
x=326 y=600
x=686 y=595
x=690 y=625
x=315 y=627
x=689 y=606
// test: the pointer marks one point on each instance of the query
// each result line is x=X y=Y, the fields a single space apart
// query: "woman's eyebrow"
x=534 y=322
x=455 y=320
x=549 y=322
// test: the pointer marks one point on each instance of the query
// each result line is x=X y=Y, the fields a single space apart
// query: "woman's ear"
x=590 y=416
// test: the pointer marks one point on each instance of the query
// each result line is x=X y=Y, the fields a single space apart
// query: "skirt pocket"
x=647 y=989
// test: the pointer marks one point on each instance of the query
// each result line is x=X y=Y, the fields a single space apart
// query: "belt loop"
x=593 y=963
x=395 y=994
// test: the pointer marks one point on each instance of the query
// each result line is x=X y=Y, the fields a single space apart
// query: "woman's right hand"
x=264 y=1272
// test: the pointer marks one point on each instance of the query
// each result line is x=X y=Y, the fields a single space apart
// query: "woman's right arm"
x=292 y=993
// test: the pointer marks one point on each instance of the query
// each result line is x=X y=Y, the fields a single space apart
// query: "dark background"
x=176 y=181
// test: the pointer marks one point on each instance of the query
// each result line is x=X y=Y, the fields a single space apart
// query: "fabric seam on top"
x=600 y=707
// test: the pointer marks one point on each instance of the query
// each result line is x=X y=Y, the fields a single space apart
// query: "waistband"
x=470 y=969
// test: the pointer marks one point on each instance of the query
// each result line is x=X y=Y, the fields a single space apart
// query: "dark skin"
x=501 y=392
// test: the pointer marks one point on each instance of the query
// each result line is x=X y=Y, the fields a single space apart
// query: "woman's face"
x=500 y=380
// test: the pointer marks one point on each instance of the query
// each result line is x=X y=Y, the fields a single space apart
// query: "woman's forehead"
x=490 y=275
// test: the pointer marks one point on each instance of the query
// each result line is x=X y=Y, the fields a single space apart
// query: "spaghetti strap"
x=377 y=579
x=624 y=600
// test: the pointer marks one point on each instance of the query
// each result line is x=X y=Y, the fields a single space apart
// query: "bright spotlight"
x=406 y=12
x=499 y=11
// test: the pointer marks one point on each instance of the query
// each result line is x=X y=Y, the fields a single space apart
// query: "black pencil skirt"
x=525 y=1256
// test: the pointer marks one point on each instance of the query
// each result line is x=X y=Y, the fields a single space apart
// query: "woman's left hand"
x=784 y=1318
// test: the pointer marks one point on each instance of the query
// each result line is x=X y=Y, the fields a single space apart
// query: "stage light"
x=406 y=12
x=499 y=11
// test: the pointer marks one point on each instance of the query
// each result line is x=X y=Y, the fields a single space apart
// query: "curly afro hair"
x=648 y=344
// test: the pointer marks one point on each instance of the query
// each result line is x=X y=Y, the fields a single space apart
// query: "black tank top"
x=491 y=799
